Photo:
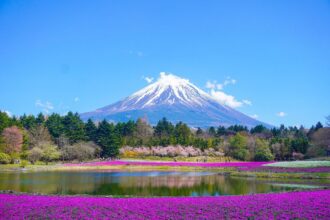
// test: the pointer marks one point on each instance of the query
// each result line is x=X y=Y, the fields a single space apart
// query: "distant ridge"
x=176 y=99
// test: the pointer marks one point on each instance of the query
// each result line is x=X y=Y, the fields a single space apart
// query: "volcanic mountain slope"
x=176 y=99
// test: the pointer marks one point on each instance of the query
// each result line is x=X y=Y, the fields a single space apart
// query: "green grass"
x=280 y=175
x=304 y=164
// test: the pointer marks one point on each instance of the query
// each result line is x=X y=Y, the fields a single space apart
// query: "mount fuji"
x=176 y=99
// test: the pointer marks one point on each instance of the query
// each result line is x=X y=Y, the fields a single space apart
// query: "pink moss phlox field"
x=292 y=205
x=190 y=164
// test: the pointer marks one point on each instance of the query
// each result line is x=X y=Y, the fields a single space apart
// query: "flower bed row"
x=189 y=164
x=292 y=205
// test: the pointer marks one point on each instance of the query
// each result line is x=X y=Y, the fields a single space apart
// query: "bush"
x=263 y=152
x=238 y=147
x=129 y=154
x=316 y=151
x=81 y=151
x=50 y=153
x=297 y=156
x=34 y=154
x=4 y=158
x=23 y=163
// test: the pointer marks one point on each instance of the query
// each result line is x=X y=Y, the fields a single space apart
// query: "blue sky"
x=66 y=55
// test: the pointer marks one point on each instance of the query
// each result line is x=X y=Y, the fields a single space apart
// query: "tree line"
x=56 y=137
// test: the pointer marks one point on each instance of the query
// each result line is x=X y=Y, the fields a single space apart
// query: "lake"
x=145 y=183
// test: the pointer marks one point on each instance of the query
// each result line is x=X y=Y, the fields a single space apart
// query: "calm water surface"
x=148 y=183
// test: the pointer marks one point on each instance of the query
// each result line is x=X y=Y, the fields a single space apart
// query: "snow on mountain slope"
x=176 y=99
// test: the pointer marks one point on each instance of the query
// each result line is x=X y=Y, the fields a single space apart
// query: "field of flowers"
x=292 y=205
x=188 y=164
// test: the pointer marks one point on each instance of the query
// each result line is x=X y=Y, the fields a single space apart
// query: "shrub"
x=297 y=156
x=23 y=163
x=129 y=154
x=80 y=151
x=238 y=147
x=50 y=153
x=4 y=158
x=263 y=152
x=34 y=154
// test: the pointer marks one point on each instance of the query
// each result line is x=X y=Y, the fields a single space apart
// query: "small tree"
x=35 y=154
x=263 y=152
x=91 y=130
x=4 y=158
x=12 y=139
x=81 y=151
x=38 y=134
x=50 y=153
x=238 y=147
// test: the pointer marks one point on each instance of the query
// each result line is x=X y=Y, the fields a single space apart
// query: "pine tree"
x=55 y=125
x=91 y=131
x=74 y=128
x=108 y=138
x=40 y=119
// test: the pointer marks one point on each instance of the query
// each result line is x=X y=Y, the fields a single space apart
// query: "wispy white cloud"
x=255 y=116
x=225 y=99
x=229 y=81
x=211 y=85
x=76 y=99
x=148 y=79
x=281 y=114
x=247 y=102
x=45 y=106
x=216 y=91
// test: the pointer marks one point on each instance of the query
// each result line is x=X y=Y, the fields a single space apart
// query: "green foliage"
x=91 y=130
x=109 y=139
x=238 y=147
x=238 y=128
x=182 y=134
x=28 y=122
x=258 y=129
x=221 y=130
x=263 y=152
x=23 y=163
x=55 y=125
x=5 y=121
x=211 y=131
x=74 y=128
x=34 y=154
x=49 y=152
x=260 y=143
x=300 y=145
x=164 y=128
x=4 y=158
x=40 y=119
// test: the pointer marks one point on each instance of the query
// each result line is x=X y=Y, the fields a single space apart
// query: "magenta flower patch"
x=194 y=164
x=292 y=205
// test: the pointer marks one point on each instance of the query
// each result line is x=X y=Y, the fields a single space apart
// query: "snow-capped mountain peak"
x=176 y=99
x=170 y=89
